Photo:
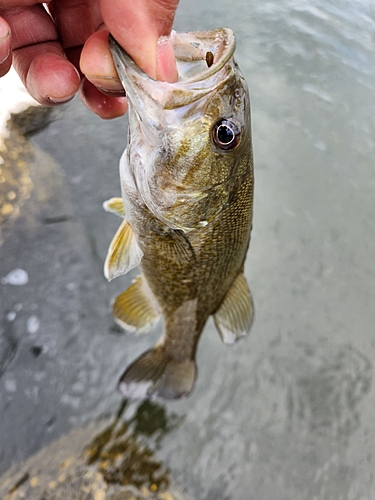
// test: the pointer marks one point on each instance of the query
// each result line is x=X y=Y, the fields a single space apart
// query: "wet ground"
x=289 y=412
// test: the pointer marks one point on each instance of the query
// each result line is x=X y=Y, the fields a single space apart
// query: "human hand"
x=59 y=52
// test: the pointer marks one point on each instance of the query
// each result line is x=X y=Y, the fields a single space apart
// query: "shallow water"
x=288 y=413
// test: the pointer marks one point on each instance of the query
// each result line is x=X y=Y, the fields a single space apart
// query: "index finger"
x=38 y=56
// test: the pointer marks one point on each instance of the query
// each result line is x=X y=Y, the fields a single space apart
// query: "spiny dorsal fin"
x=136 y=308
x=236 y=313
x=156 y=375
x=115 y=206
x=123 y=252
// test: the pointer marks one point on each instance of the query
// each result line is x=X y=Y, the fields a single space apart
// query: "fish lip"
x=123 y=60
x=188 y=89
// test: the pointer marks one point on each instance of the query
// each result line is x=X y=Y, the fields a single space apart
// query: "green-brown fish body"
x=187 y=184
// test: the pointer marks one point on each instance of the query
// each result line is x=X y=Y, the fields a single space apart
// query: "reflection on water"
x=15 y=182
x=121 y=460
x=115 y=464
x=16 y=157
x=151 y=420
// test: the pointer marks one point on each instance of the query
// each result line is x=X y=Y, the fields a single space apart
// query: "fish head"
x=189 y=142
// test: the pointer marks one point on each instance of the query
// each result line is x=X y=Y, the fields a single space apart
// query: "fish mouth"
x=201 y=59
x=161 y=114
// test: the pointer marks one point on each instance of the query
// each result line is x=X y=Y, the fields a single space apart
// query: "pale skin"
x=65 y=50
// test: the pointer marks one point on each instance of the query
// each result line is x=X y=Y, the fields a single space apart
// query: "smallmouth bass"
x=187 y=194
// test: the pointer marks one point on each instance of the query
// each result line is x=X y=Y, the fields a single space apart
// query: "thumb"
x=137 y=27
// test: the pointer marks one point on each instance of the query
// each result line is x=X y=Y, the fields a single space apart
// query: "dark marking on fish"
x=209 y=59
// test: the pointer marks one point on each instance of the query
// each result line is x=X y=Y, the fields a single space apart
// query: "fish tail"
x=157 y=374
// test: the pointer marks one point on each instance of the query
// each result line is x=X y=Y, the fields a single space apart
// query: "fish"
x=187 y=183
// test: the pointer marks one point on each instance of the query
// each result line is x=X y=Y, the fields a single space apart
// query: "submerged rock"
x=115 y=465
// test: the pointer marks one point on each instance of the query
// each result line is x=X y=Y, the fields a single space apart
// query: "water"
x=288 y=413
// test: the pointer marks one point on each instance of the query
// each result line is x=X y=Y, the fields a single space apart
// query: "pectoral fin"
x=136 y=309
x=176 y=246
x=115 y=206
x=123 y=253
x=236 y=313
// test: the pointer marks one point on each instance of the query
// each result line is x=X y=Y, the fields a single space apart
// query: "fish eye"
x=226 y=134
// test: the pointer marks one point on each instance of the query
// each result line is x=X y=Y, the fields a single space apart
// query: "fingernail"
x=3 y=58
x=4 y=43
x=107 y=84
x=55 y=100
x=112 y=93
x=167 y=69
x=4 y=31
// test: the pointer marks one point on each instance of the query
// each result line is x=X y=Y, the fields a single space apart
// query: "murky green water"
x=288 y=413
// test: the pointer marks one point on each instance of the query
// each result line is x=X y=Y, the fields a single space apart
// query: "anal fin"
x=123 y=254
x=236 y=313
x=136 y=309
x=115 y=206
x=154 y=374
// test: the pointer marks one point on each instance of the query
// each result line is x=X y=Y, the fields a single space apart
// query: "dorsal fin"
x=136 y=308
x=123 y=252
x=236 y=313
x=115 y=206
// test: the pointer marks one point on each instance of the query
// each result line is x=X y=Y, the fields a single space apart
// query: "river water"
x=288 y=414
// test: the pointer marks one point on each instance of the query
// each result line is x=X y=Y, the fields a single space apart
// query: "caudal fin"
x=154 y=374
